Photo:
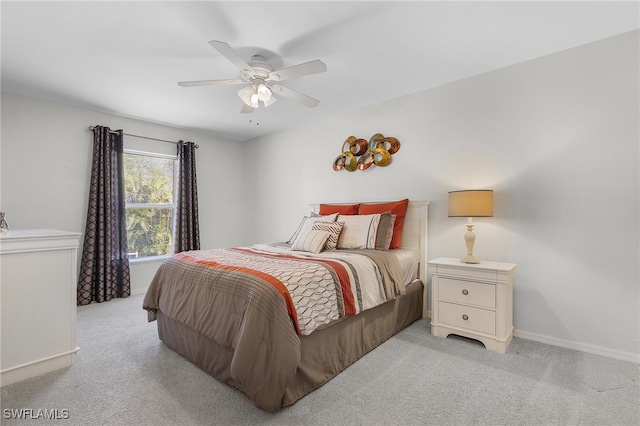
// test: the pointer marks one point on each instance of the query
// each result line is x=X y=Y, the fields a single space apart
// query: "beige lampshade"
x=471 y=203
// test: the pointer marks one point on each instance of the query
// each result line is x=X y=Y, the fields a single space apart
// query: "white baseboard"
x=36 y=368
x=582 y=347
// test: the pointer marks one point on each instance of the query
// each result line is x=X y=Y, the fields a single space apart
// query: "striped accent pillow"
x=311 y=241
x=385 y=231
x=334 y=229
x=359 y=231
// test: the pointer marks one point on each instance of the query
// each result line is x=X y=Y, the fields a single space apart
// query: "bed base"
x=324 y=353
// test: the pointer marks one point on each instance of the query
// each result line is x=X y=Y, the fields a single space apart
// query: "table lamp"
x=470 y=204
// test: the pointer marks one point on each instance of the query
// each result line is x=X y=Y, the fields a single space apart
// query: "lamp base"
x=469 y=259
x=469 y=239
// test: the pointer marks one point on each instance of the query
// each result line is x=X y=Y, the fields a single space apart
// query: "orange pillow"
x=338 y=208
x=399 y=208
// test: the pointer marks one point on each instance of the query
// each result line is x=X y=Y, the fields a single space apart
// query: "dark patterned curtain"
x=187 y=228
x=104 y=269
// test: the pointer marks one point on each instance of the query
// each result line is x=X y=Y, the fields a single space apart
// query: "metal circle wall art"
x=358 y=154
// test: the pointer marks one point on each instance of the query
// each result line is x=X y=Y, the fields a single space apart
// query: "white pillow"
x=311 y=241
x=307 y=222
x=359 y=231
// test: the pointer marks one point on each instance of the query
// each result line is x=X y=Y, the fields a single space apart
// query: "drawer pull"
x=465 y=317
x=465 y=291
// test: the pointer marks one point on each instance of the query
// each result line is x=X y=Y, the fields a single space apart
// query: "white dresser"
x=473 y=300
x=38 y=281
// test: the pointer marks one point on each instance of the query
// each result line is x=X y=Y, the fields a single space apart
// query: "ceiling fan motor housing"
x=259 y=68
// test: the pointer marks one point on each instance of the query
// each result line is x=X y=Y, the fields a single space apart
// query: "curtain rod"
x=143 y=137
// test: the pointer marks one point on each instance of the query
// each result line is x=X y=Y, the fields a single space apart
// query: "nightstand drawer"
x=474 y=319
x=466 y=272
x=467 y=292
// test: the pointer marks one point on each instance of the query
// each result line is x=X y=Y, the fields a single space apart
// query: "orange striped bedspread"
x=257 y=303
x=314 y=289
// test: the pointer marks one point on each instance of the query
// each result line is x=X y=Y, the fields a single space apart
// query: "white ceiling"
x=127 y=57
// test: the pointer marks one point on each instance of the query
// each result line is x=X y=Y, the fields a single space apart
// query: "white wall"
x=556 y=138
x=46 y=152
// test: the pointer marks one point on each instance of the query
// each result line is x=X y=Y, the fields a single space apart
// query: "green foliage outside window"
x=149 y=183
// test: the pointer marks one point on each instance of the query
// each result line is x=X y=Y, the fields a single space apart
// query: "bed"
x=235 y=314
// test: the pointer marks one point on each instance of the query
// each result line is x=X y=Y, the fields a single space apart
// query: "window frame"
x=167 y=206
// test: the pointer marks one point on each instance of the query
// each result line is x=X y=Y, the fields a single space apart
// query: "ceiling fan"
x=260 y=77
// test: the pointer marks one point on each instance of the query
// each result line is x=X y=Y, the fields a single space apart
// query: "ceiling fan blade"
x=228 y=52
x=246 y=109
x=292 y=95
x=209 y=82
x=307 y=68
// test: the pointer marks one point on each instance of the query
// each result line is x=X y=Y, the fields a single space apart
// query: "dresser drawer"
x=477 y=319
x=467 y=292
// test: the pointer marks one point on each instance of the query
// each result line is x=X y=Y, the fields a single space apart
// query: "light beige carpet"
x=125 y=376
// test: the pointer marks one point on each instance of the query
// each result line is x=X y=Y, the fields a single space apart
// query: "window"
x=150 y=203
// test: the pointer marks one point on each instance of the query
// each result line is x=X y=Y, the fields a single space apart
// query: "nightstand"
x=473 y=300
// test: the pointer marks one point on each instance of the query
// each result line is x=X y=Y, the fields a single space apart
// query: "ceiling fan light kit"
x=259 y=75
x=255 y=93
